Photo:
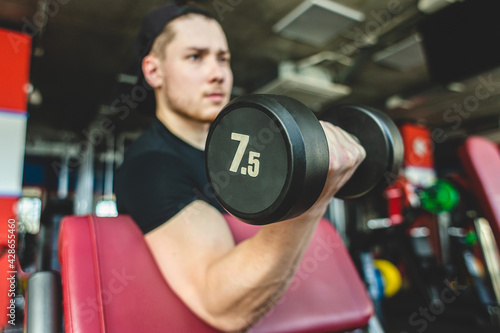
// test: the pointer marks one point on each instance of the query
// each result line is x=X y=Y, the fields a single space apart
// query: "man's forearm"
x=245 y=283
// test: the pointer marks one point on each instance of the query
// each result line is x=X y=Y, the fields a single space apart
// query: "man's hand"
x=346 y=154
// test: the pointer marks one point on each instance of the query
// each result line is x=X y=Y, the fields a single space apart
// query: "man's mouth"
x=215 y=97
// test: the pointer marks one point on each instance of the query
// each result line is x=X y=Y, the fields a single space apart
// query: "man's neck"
x=192 y=132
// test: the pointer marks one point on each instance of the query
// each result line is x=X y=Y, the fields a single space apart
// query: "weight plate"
x=256 y=166
x=382 y=142
x=256 y=158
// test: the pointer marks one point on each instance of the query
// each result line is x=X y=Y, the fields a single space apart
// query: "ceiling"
x=79 y=54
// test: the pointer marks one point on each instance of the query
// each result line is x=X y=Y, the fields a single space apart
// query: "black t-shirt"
x=160 y=175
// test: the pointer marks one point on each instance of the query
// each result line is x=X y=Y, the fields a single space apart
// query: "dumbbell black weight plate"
x=266 y=158
x=382 y=142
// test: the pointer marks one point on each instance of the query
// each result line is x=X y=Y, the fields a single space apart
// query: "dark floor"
x=410 y=313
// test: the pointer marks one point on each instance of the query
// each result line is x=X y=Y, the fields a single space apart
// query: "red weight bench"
x=481 y=161
x=111 y=284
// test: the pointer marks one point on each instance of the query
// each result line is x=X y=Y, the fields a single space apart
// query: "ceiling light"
x=456 y=87
x=432 y=6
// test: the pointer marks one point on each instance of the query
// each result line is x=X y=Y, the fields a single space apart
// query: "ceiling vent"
x=311 y=85
x=316 y=22
x=402 y=56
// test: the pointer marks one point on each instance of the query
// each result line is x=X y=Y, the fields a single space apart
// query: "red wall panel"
x=14 y=70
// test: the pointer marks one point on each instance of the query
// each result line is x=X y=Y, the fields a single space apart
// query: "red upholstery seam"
x=95 y=251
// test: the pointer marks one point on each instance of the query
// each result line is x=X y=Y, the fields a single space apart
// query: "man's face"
x=197 y=75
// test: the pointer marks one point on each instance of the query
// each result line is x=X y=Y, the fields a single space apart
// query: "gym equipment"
x=111 y=281
x=492 y=258
x=481 y=161
x=480 y=158
x=374 y=283
x=418 y=162
x=267 y=156
x=44 y=306
x=441 y=197
x=390 y=276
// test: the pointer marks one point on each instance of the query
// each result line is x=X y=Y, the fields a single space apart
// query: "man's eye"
x=194 y=57
x=224 y=59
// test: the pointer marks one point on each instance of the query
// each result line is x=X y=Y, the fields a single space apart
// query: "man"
x=162 y=181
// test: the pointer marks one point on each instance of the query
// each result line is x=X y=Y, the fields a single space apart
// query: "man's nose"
x=216 y=71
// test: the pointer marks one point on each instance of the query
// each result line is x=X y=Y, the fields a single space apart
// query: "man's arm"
x=231 y=287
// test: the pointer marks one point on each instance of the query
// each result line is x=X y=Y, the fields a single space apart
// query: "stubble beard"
x=197 y=116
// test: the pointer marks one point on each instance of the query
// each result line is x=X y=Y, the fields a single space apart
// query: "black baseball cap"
x=152 y=26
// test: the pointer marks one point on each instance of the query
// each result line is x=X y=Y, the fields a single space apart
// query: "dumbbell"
x=267 y=156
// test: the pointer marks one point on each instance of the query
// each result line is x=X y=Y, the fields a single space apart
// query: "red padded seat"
x=481 y=161
x=112 y=284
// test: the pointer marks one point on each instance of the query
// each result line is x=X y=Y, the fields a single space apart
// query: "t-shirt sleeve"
x=153 y=188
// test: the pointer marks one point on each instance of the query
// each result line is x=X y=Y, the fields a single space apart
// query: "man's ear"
x=151 y=70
